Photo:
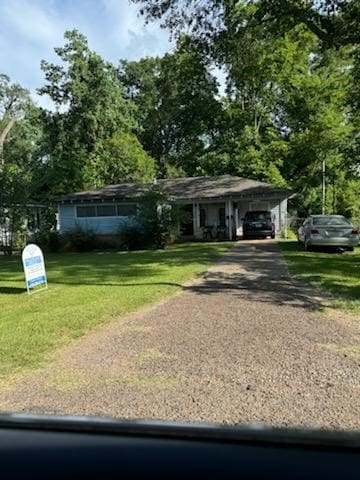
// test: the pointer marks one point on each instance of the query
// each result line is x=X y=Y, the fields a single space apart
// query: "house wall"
x=67 y=220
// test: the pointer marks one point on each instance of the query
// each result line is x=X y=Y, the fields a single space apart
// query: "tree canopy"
x=288 y=101
x=90 y=110
x=177 y=104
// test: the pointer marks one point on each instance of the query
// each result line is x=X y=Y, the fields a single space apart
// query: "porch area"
x=222 y=219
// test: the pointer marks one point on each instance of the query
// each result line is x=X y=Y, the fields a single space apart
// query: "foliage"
x=334 y=22
x=292 y=91
x=155 y=223
x=159 y=217
x=124 y=159
x=85 y=291
x=13 y=197
x=20 y=131
x=91 y=110
x=80 y=239
x=291 y=103
x=177 y=106
x=14 y=99
x=132 y=237
x=48 y=240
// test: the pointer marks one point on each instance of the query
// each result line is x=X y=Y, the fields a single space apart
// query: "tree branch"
x=3 y=136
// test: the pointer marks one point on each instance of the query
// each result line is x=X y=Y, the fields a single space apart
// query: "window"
x=202 y=217
x=330 y=220
x=222 y=217
x=106 y=210
x=126 y=210
x=86 y=211
x=258 y=216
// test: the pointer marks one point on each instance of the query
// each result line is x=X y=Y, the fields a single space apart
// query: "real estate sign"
x=34 y=267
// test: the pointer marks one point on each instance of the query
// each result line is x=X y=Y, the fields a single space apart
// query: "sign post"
x=34 y=268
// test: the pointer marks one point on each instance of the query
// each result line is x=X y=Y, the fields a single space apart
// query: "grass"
x=86 y=290
x=336 y=273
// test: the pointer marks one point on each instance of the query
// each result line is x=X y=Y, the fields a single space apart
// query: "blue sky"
x=30 y=29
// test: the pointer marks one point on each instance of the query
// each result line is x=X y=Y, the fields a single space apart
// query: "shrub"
x=48 y=240
x=80 y=239
x=158 y=216
x=132 y=237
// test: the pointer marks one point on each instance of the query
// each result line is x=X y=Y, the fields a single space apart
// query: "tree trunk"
x=3 y=136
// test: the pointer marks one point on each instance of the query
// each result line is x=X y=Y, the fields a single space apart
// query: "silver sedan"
x=328 y=231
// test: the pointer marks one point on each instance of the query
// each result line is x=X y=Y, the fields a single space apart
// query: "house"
x=214 y=204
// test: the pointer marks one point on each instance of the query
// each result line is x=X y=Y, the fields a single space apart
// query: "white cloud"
x=32 y=22
x=30 y=29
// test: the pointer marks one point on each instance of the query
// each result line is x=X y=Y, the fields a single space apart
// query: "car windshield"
x=331 y=220
x=165 y=170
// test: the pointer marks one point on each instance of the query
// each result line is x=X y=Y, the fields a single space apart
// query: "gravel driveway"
x=244 y=343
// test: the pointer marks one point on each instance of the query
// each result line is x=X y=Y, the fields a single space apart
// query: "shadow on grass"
x=12 y=290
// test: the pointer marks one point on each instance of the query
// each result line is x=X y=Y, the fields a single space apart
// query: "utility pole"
x=323 y=186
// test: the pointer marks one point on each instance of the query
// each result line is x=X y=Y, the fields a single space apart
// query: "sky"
x=30 y=29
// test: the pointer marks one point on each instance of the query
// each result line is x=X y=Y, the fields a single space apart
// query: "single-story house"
x=214 y=204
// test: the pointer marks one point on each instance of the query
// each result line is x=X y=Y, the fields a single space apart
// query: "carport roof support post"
x=229 y=215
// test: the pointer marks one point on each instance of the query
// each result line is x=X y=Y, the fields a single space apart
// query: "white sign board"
x=34 y=267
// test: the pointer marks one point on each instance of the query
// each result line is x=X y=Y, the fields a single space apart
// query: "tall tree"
x=290 y=83
x=14 y=99
x=90 y=110
x=334 y=22
x=177 y=105
x=17 y=173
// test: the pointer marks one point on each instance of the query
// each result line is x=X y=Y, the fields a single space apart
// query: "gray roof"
x=184 y=188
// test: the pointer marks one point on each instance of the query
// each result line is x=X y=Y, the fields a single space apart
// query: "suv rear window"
x=258 y=216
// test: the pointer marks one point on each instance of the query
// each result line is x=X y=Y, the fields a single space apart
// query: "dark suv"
x=258 y=223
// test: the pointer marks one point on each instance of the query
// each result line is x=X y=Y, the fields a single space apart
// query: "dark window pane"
x=257 y=216
x=126 y=210
x=222 y=217
x=106 y=210
x=88 y=211
x=202 y=217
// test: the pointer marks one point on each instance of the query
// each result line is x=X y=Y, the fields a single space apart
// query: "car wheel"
x=245 y=237
x=350 y=249
x=273 y=236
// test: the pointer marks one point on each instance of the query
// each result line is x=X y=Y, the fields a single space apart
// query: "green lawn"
x=86 y=290
x=332 y=272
